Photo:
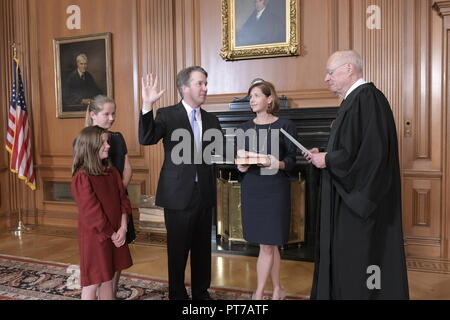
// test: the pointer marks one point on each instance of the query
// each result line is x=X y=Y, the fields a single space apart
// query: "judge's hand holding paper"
x=313 y=156
x=316 y=158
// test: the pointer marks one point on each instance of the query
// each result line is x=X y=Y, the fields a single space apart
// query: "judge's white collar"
x=358 y=83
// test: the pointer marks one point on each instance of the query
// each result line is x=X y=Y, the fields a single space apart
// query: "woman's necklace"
x=264 y=145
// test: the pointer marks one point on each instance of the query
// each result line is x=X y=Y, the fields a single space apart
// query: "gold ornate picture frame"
x=83 y=70
x=260 y=28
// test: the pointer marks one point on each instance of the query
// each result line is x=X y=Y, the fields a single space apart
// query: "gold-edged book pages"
x=252 y=160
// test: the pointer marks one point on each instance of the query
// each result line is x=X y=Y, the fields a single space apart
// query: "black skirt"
x=266 y=208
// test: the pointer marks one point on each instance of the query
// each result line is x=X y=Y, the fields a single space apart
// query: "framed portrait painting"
x=82 y=71
x=259 y=28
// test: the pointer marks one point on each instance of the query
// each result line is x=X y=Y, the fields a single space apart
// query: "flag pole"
x=21 y=227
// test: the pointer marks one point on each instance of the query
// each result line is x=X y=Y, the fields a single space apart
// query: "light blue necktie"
x=196 y=131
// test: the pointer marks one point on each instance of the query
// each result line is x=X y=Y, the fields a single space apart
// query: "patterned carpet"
x=29 y=279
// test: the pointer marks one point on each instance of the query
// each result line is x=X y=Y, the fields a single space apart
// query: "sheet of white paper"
x=294 y=141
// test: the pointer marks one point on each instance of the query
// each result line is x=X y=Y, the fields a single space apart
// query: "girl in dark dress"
x=102 y=112
x=104 y=210
x=265 y=189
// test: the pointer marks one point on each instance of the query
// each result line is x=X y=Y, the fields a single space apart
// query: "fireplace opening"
x=227 y=231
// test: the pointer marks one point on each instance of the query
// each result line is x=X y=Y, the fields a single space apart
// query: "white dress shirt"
x=198 y=116
x=358 y=83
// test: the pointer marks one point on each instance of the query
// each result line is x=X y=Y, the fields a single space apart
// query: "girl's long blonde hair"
x=86 y=152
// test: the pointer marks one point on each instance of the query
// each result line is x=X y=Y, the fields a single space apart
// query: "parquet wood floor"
x=227 y=270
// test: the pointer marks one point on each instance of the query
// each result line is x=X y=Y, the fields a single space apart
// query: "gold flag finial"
x=14 y=47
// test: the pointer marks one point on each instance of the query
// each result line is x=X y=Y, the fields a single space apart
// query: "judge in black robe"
x=360 y=252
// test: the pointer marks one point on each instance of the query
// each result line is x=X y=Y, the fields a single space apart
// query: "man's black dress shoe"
x=204 y=296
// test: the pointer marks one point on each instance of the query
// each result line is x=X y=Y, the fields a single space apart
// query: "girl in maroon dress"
x=104 y=210
x=102 y=112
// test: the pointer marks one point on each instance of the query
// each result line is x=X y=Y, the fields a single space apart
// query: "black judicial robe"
x=360 y=215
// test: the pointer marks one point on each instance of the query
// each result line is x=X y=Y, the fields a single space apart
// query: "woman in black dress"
x=102 y=112
x=265 y=188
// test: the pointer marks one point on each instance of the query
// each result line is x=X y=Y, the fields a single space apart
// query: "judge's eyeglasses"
x=330 y=72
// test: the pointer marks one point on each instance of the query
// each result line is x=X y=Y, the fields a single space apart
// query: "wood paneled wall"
x=406 y=59
x=299 y=77
x=422 y=150
x=440 y=94
x=6 y=36
x=13 y=193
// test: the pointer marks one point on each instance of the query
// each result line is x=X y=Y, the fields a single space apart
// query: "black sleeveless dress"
x=117 y=152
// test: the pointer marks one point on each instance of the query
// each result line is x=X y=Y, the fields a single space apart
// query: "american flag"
x=18 y=141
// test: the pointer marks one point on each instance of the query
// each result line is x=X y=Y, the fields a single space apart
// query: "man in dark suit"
x=186 y=190
x=262 y=27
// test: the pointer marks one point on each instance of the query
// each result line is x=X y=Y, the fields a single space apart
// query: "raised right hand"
x=149 y=92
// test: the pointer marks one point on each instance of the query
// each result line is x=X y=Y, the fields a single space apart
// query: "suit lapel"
x=205 y=123
x=205 y=126
x=184 y=118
